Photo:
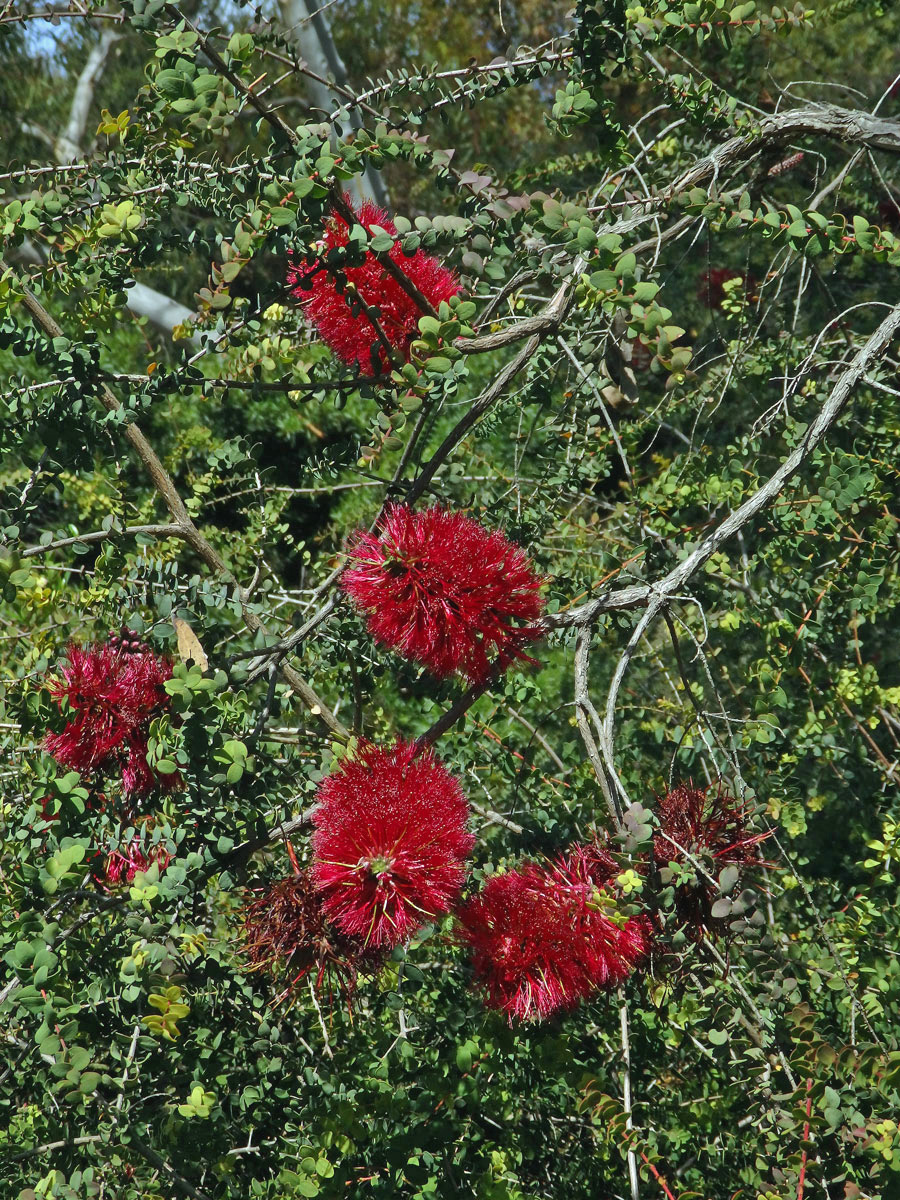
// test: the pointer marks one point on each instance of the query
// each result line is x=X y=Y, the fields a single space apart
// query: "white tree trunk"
x=307 y=27
x=164 y=312
x=68 y=145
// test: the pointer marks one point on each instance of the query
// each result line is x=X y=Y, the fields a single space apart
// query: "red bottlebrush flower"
x=587 y=864
x=342 y=324
x=544 y=939
x=287 y=934
x=712 y=829
x=614 y=944
x=525 y=950
x=390 y=844
x=122 y=865
x=711 y=288
x=439 y=589
x=113 y=692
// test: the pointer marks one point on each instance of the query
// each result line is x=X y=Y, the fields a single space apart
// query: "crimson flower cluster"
x=121 y=866
x=288 y=935
x=389 y=855
x=443 y=591
x=712 y=830
x=391 y=839
x=545 y=938
x=111 y=692
x=331 y=300
x=390 y=843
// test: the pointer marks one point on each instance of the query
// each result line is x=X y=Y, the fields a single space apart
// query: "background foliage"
x=676 y=229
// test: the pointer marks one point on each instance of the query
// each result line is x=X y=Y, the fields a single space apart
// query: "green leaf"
x=438 y=365
x=644 y=292
x=170 y=83
x=464 y=1057
x=586 y=239
x=728 y=878
x=204 y=83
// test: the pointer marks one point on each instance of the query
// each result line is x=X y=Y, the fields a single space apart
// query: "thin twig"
x=656 y=1175
x=132 y=1050
x=626 y=1095
x=802 y=1180
x=156 y=1160
x=457 y=709
x=589 y=724
x=312 y=992
x=101 y=535
x=46 y=1147
x=477 y=409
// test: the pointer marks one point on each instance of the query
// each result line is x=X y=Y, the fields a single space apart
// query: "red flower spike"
x=543 y=939
x=587 y=864
x=113 y=692
x=443 y=591
x=525 y=949
x=707 y=827
x=287 y=935
x=613 y=945
x=122 y=866
x=390 y=844
x=137 y=777
x=342 y=324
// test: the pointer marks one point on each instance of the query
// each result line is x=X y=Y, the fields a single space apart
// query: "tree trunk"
x=307 y=27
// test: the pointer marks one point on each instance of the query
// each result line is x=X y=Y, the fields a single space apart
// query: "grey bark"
x=162 y=311
x=67 y=147
x=308 y=28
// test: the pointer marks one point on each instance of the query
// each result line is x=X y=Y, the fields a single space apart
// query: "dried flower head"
x=287 y=935
x=713 y=830
x=390 y=844
x=543 y=939
x=330 y=300
x=122 y=865
x=443 y=591
x=111 y=693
